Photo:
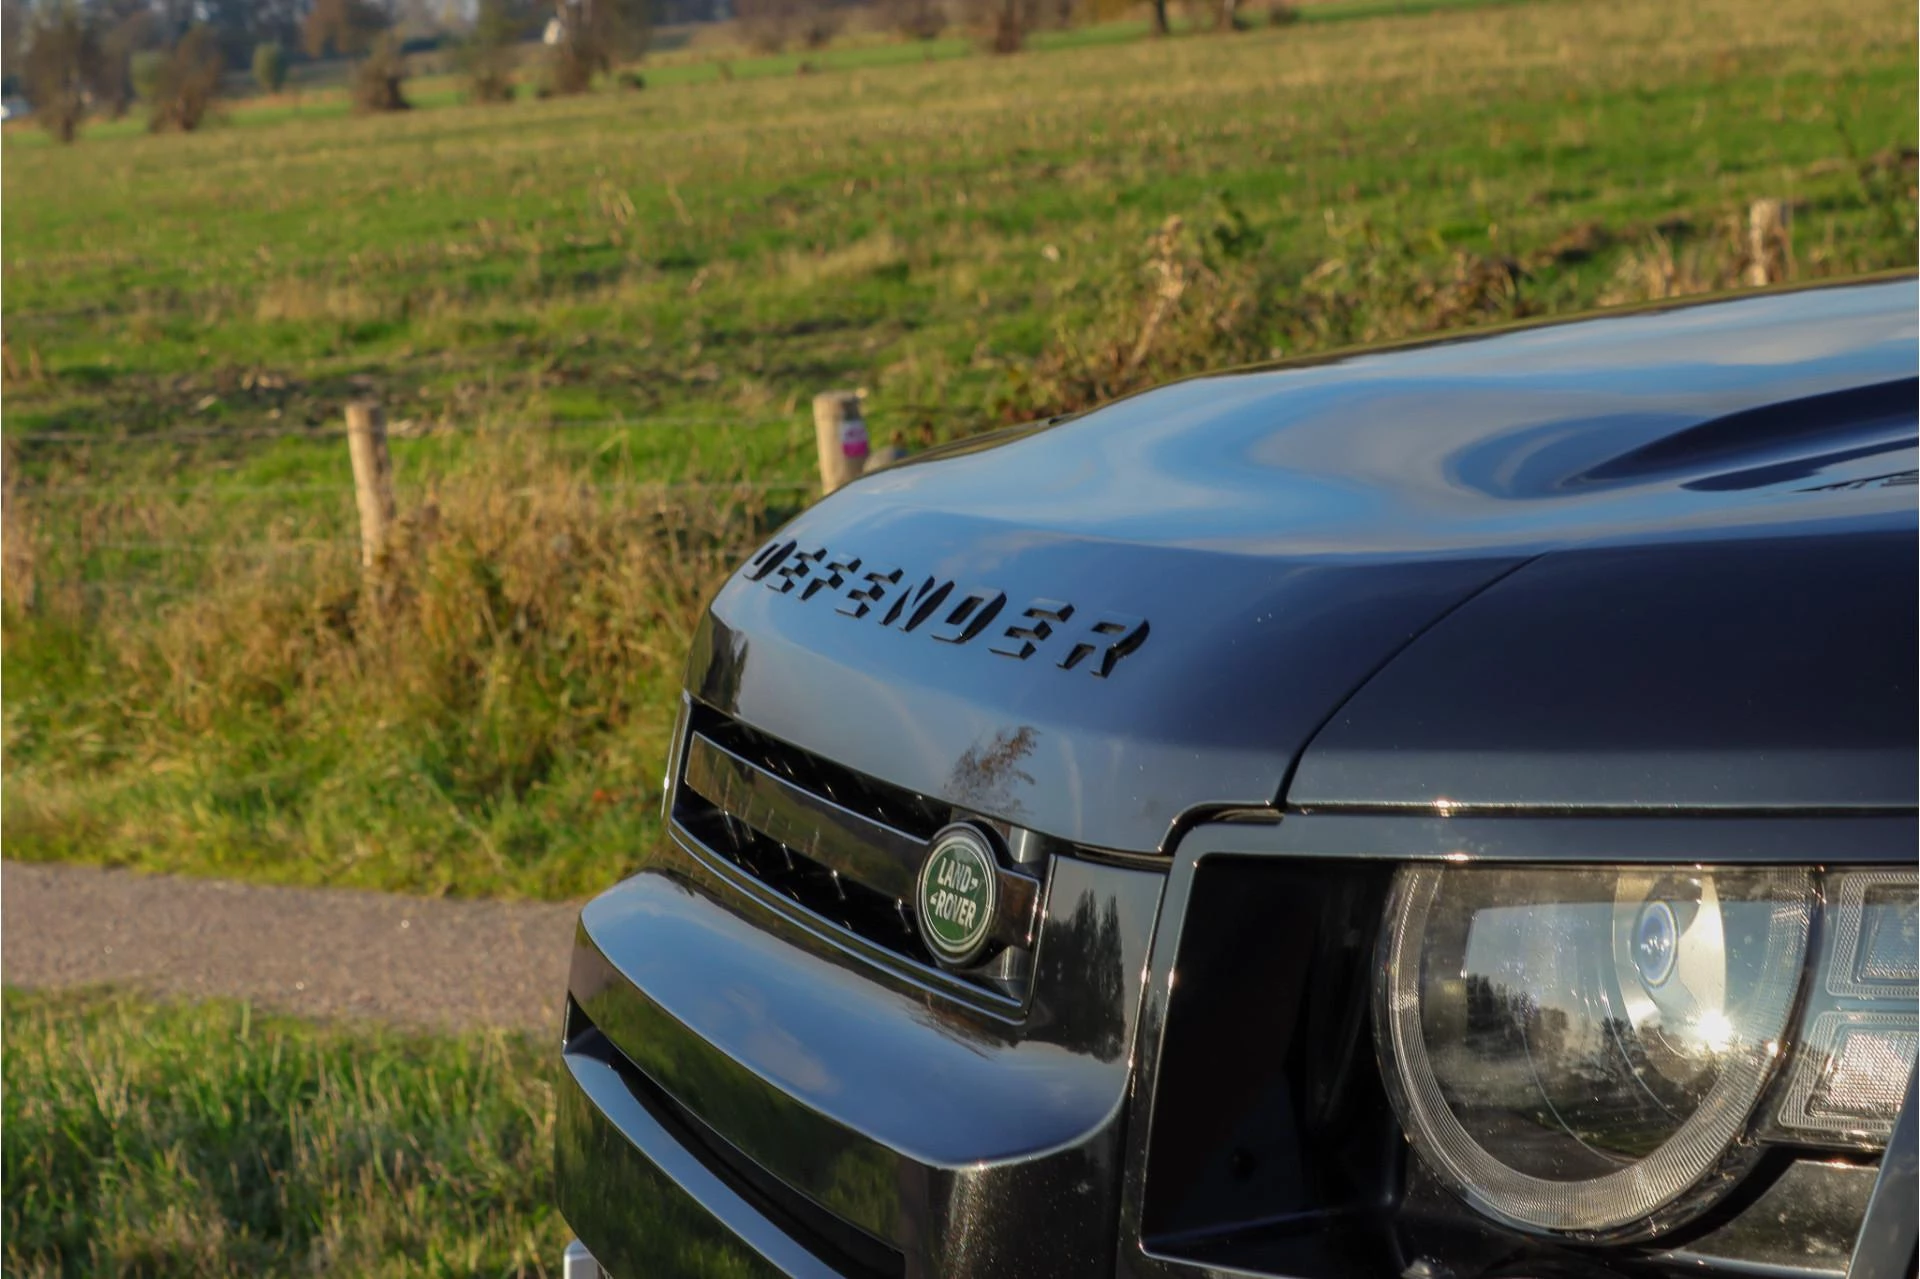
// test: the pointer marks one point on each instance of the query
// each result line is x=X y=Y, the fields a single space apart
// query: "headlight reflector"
x=1851 y=1064
x=1576 y=1050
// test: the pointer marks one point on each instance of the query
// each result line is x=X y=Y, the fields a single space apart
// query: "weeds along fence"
x=210 y=631
x=102 y=521
x=541 y=550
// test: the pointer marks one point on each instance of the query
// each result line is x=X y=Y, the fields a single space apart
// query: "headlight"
x=1581 y=1050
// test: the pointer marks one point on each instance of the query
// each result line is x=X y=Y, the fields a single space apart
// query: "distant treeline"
x=303 y=28
x=75 y=59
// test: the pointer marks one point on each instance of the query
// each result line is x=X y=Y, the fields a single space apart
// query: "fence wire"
x=157 y=560
x=663 y=487
x=406 y=429
x=400 y=430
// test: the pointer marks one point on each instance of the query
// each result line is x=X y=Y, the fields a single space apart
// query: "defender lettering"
x=1073 y=640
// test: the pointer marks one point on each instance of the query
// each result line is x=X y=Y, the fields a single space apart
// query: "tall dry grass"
x=1203 y=293
x=498 y=688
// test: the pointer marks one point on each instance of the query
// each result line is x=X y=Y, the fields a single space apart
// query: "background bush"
x=62 y=61
x=489 y=54
x=380 y=77
x=269 y=67
x=187 y=83
x=595 y=37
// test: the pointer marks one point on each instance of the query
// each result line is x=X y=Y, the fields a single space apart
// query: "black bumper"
x=745 y=1094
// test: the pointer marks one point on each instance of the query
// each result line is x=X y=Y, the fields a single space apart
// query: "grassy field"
x=567 y=304
x=162 y=1140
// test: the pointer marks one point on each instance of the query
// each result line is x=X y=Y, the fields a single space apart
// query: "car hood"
x=1241 y=552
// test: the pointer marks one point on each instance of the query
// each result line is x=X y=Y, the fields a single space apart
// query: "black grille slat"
x=874 y=916
x=801 y=820
x=853 y=845
x=843 y=848
x=912 y=814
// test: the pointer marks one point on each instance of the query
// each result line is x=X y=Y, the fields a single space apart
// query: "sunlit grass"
x=168 y=1140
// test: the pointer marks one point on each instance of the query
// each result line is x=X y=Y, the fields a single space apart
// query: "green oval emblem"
x=959 y=892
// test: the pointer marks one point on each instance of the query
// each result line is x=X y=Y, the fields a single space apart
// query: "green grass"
x=164 y=1140
x=726 y=248
x=192 y=684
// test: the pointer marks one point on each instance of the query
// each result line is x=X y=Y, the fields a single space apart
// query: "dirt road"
x=312 y=951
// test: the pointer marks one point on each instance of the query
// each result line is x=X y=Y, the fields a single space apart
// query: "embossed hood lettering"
x=1072 y=638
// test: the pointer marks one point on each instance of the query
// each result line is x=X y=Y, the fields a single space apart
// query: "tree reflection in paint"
x=1081 y=974
x=985 y=775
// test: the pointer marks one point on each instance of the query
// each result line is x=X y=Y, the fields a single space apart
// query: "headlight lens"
x=1575 y=1050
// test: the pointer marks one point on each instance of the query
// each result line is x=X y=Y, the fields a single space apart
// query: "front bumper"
x=654 y=1207
x=745 y=1094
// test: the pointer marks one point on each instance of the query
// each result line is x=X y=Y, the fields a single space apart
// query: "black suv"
x=1439 y=812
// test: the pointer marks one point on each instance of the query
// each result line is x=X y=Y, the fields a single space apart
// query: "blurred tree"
x=773 y=25
x=342 y=27
x=269 y=66
x=132 y=27
x=13 y=40
x=110 y=87
x=378 y=79
x=595 y=36
x=124 y=27
x=1006 y=23
x=768 y=25
x=1058 y=15
x=488 y=55
x=819 y=24
x=175 y=16
x=187 y=83
x=915 y=19
x=276 y=22
x=1218 y=15
x=62 y=59
x=416 y=20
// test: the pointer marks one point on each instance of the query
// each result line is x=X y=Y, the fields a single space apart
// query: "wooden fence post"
x=372 y=479
x=840 y=434
x=1769 y=242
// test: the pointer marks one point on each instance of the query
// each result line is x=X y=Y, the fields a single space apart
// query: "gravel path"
x=318 y=952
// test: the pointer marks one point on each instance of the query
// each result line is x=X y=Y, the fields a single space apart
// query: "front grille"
x=872 y=915
x=912 y=814
x=842 y=847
